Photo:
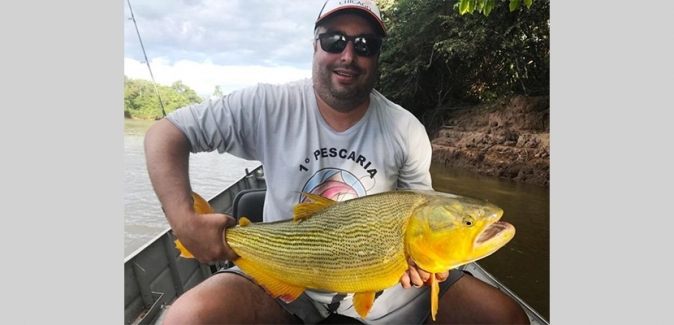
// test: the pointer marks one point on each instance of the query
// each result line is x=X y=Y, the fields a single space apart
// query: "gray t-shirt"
x=281 y=126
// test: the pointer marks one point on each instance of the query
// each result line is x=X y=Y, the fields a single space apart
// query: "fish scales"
x=342 y=248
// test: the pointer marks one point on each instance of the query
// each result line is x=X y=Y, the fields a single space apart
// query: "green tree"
x=140 y=98
x=486 y=6
x=436 y=58
x=218 y=91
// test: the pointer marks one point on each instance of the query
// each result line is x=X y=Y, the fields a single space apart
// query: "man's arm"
x=167 y=153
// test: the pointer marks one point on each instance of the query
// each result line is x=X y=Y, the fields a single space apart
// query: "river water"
x=210 y=173
x=523 y=264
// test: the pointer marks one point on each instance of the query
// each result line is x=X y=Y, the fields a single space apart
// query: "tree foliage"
x=486 y=6
x=141 y=101
x=434 y=57
x=217 y=92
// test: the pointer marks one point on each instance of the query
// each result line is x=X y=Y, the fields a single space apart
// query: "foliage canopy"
x=435 y=57
x=141 y=101
x=486 y=6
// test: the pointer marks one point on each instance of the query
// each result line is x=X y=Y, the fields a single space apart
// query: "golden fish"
x=362 y=245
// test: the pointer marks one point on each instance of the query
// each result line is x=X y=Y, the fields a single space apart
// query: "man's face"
x=344 y=80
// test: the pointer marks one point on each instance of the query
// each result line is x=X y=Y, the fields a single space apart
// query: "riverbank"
x=510 y=140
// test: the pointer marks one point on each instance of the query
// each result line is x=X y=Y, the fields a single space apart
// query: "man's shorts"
x=393 y=305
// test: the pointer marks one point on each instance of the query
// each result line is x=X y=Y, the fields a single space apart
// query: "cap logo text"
x=364 y=4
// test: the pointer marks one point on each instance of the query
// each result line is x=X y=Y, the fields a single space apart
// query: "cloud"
x=230 y=43
x=203 y=77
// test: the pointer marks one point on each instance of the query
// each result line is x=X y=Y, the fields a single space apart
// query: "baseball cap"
x=332 y=7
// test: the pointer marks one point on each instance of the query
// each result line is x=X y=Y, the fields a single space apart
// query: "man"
x=333 y=135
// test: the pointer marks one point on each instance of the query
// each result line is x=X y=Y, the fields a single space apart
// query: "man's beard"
x=344 y=100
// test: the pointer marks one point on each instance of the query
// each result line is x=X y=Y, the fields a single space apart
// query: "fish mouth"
x=497 y=234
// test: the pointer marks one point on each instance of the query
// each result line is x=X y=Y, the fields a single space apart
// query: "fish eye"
x=468 y=221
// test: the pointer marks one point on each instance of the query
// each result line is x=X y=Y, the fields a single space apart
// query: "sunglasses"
x=336 y=43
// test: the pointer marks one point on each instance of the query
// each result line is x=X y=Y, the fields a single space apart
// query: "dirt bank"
x=510 y=139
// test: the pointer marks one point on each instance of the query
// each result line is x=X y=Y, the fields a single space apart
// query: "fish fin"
x=274 y=287
x=243 y=221
x=183 y=251
x=362 y=302
x=319 y=199
x=201 y=206
x=435 y=291
x=305 y=210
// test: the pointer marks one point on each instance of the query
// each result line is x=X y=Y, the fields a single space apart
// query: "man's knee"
x=518 y=315
x=183 y=312
x=509 y=312
x=226 y=298
x=505 y=309
x=470 y=300
x=211 y=301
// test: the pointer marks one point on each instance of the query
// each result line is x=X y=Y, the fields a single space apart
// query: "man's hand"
x=415 y=276
x=204 y=236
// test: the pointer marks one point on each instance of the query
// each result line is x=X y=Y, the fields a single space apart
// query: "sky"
x=232 y=43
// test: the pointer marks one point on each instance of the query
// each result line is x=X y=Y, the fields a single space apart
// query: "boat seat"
x=249 y=204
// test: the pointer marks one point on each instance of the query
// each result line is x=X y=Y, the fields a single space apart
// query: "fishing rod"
x=163 y=112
